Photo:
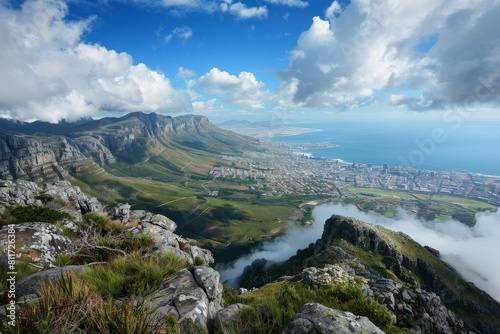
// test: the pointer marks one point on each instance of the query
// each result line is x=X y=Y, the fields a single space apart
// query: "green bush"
x=198 y=261
x=33 y=213
x=275 y=308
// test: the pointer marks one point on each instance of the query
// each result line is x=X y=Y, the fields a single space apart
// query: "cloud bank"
x=473 y=252
x=49 y=73
x=281 y=248
x=442 y=53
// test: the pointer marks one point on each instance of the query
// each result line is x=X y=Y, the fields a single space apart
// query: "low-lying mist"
x=472 y=251
x=281 y=248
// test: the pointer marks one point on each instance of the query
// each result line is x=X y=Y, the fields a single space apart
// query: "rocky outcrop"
x=162 y=230
x=75 y=202
x=314 y=318
x=424 y=309
x=37 y=242
x=424 y=303
x=193 y=296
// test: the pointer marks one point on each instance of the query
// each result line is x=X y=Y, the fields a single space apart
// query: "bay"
x=473 y=146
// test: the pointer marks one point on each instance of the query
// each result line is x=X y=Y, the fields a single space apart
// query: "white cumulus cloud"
x=386 y=45
x=241 y=11
x=242 y=90
x=49 y=73
x=290 y=3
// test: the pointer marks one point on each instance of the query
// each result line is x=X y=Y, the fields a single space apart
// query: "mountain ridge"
x=399 y=273
x=39 y=150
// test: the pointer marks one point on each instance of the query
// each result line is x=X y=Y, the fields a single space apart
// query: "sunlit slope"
x=162 y=165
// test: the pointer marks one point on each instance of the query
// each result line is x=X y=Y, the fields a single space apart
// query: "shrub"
x=277 y=306
x=33 y=213
x=105 y=223
x=198 y=261
x=45 y=198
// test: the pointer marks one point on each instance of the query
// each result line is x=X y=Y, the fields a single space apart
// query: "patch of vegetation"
x=132 y=274
x=274 y=305
x=23 y=268
x=69 y=306
x=62 y=260
x=34 y=213
x=463 y=201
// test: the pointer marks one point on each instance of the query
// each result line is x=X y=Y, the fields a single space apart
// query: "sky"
x=297 y=60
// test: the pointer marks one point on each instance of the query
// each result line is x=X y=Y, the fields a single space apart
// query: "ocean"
x=473 y=146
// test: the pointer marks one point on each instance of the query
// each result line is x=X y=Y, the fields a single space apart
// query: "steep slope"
x=420 y=291
x=41 y=150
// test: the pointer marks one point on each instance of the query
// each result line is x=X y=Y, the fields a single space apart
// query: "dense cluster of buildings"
x=285 y=172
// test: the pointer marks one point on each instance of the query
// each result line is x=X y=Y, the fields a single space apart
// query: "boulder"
x=120 y=212
x=162 y=230
x=64 y=191
x=38 y=242
x=314 y=318
x=29 y=285
x=225 y=318
x=193 y=296
x=329 y=274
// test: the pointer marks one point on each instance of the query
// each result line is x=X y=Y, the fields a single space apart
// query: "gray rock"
x=29 y=285
x=63 y=190
x=120 y=212
x=225 y=318
x=314 y=318
x=161 y=229
x=329 y=274
x=208 y=280
x=193 y=296
x=24 y=192
x=38 y=242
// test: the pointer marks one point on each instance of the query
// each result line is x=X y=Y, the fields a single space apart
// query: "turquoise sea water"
x=473 y=146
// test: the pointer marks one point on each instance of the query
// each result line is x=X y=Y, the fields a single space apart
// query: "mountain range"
x=41 y=150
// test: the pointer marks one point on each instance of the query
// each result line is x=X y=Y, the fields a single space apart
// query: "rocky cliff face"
x=42 y=151
x=423 y=290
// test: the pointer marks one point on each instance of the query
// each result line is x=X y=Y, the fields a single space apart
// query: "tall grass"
x=69 y=306
x=132 y=274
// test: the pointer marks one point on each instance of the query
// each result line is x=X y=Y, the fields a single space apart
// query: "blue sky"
x=299 y=60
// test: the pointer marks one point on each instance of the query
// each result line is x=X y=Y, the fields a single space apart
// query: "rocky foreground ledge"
x=191 y=296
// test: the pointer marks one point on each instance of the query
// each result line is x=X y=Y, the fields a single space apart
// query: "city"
x=287 y=172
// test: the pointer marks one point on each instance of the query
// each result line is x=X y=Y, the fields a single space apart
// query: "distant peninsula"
x=264 y=129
